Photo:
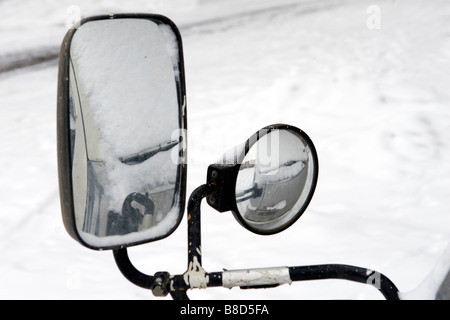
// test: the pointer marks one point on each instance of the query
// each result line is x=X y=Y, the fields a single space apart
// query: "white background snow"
x=367 y=80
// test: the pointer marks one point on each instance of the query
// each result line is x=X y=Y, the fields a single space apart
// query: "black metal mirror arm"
x=162 y=283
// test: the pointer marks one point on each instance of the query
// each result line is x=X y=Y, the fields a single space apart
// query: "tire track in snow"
x=20 y=60
x=239 y=19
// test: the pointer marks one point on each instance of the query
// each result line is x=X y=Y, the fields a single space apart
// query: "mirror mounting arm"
x=194 y=230
x=157 y=283
x=130 y=272
x=196 y=277
x=346 y=272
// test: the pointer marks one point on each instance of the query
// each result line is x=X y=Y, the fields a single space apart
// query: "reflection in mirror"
x=275 y=181
x=127 y=132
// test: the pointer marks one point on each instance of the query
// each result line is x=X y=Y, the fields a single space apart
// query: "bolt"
x=160 y=281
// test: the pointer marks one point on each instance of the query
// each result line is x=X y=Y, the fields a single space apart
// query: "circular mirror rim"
x=248 y=145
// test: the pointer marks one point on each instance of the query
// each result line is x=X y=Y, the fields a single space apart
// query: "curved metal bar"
x=196 y=277
x=346 y=272
x=275 y=276
x=177 y=285
x=130 y=272
x=159 y=284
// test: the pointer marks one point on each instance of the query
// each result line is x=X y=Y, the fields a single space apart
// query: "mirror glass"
x=275 y=182
x=126 y=128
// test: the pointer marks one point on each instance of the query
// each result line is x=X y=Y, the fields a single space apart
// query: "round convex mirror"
x=276 y=179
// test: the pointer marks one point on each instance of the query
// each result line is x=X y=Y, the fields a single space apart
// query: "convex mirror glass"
x=276 y=180
x=267 y=182
x=121 y=130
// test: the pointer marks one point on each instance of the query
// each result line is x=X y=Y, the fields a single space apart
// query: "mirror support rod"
x=194 y=230
x=345 y=272
x=196 y=277
x=130 y=272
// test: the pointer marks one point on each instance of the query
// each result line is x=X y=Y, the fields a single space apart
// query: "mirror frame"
x=222 y=178
x=63 y=129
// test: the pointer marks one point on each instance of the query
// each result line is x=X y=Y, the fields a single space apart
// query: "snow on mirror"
x=276 y=181
x=126 y=123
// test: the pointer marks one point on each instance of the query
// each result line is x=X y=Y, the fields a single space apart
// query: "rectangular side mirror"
x=121 y=122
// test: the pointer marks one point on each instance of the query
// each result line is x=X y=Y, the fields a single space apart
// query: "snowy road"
x=374 y=101
x=13 y=60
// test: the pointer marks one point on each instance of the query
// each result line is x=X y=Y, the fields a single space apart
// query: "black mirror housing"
x=154 y=208
x=268 y=182
x=222 y=180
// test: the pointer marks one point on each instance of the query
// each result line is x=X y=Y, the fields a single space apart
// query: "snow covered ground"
x=367 y=80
